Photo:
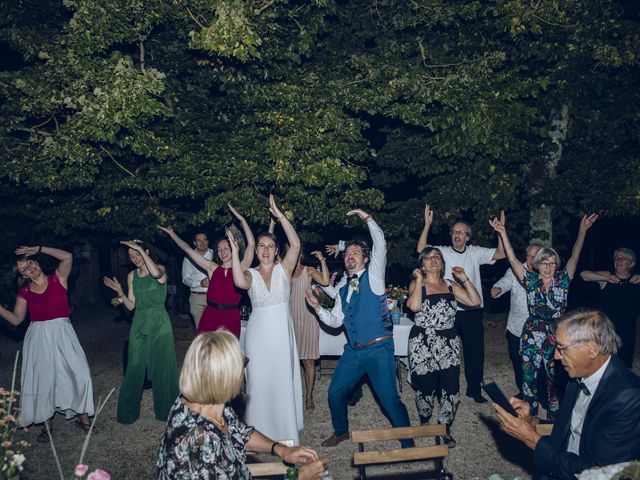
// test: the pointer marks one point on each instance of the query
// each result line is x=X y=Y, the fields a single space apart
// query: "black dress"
x=434 y=356
x=621 y=303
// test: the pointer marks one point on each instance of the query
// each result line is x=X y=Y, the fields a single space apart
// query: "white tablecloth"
x=333 y=343
x=332 y=340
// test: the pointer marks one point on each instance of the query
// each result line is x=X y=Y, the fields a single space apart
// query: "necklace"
x=220 y=423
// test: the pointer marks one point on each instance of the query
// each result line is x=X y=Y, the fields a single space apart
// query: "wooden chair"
x=271 y=469
x=437 y=452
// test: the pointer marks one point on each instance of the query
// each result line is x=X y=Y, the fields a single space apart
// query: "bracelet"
x=273 y=449
x=466 y=280
x=40 y=249
x=367 y=218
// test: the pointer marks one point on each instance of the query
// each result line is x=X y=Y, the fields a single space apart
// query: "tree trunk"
x=540 y=219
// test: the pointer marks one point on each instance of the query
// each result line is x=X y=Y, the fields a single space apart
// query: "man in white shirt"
x=599 y=419
x=361 y=306
x=469 y=323
x=518 y=312
x=196 y=279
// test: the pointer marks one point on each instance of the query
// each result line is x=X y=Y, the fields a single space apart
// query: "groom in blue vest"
x=361 y=306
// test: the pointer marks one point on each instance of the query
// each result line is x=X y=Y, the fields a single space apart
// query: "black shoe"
x=477 y=398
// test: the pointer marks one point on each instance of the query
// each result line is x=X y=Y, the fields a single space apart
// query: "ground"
x=129 y=452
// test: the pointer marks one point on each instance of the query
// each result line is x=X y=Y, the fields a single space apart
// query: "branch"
x=264 y=7
x=125 y=169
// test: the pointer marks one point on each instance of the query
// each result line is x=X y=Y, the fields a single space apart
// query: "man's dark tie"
x=584 y=388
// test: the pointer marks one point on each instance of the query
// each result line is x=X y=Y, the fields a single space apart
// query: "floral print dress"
x=434 y=356
x=538 y=342
x=193 y=448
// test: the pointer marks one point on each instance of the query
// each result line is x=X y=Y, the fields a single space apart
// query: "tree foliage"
x=121 y=114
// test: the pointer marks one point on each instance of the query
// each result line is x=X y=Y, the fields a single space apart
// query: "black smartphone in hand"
x=496 y=395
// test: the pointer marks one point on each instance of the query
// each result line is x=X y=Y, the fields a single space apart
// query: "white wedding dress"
x=274 y=385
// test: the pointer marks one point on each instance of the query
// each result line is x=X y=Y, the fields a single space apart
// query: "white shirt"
x=377 y=264
x=518 y=311
x=581 y=406
x=192 y=275
x=470 y=259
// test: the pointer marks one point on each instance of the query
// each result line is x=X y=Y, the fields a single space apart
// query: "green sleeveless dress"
x=151 y=350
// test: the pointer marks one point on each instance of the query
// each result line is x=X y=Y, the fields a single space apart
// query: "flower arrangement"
x=399 y=294
x=11 y=456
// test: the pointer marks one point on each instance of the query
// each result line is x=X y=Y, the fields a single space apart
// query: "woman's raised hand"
x=498 y=225
x=428 y=215
x=113 y=284
x=28 y=251
x=587 y=221
x=168 y=230
x=232 y=241
x=318 y=255
x=235 y=212
x=273 y=208
x=459 y=272
x=132 y=245
x=417 y=274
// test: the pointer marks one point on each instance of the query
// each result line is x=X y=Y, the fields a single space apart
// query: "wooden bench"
x=271 y=469
x=437 y=452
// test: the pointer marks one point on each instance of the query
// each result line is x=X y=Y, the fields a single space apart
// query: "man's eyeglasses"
x=561 y=348
x=458 y=232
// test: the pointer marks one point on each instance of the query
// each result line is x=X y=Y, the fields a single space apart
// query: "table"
x=332 y=340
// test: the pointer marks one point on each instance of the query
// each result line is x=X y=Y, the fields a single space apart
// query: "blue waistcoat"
x=366 y=316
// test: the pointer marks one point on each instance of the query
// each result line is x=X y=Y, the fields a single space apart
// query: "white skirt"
x=55 y=373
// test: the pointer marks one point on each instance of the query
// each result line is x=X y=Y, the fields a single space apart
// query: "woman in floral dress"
x=204 y=438
x=547 y=291
x=434 y=346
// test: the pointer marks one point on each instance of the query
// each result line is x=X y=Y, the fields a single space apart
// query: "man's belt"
x=198 y=293
x=222 y=306
x=375 y=340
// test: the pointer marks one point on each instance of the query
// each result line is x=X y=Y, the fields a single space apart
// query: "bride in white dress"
x=274 y=386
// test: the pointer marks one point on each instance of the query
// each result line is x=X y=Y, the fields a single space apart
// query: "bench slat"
x=400 y=455
x=364 y=436
x=264 y=469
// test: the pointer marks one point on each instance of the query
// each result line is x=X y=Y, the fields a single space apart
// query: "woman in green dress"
x=151 y=347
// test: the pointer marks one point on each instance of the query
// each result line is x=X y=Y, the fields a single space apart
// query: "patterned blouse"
x=546 y=305
x=193 y=448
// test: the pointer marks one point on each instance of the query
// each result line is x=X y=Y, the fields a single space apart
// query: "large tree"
x=117 y=115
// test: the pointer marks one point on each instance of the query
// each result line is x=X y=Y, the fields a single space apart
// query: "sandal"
x=43 y=437
x=85 y=427
x=449 y=440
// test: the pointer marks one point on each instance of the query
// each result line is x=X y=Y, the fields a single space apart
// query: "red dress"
x=222 y=310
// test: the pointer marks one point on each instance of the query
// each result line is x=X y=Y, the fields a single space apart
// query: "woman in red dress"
x=55 y=373
x=222 y=310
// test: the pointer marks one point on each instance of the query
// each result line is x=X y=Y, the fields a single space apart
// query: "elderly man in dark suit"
x=599 y=419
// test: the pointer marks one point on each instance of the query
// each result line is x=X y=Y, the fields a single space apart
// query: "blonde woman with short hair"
x=204 y=437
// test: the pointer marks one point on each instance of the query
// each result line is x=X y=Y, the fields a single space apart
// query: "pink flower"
x=81 y=470
x=99 y=474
